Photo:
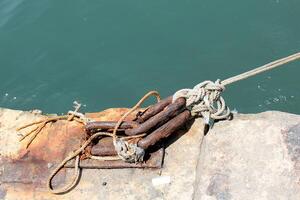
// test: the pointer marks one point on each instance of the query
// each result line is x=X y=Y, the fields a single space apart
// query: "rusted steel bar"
x=105 y=147
x=109 y=125
x=165 y=130
x=169 y=112
x=154 y=109
x=154 y=160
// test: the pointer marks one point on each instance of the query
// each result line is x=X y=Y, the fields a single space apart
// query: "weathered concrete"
x=254 y=156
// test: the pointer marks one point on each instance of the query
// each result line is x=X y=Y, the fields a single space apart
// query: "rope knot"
x=205 y=100
x=129 y=152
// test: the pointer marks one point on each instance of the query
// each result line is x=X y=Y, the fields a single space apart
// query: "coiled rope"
x=205 y=98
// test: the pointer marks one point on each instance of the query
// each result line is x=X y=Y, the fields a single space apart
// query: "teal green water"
x=109 y=53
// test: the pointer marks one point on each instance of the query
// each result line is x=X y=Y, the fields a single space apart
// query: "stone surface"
x=253 y=156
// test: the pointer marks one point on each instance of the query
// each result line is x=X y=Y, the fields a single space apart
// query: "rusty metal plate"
x=155 y=160
x=33 y=166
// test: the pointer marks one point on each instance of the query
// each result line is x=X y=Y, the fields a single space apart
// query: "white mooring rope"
x=205 y=98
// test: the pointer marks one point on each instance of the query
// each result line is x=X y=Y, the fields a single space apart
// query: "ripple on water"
x=8 y=9
x=17 y=13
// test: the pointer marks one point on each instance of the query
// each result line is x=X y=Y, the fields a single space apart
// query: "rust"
x=32 y=166
x=155 y=160
x=27 y=170
x=113 y=114
x=154 y=109
x=165 y=130
x=169 y=112
x=105 y=147
x=108 y=125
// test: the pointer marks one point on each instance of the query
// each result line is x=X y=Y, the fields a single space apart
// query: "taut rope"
x=258 y=70
x=205 y=98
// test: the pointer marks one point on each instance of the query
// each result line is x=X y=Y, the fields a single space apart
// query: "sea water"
x=110 y=53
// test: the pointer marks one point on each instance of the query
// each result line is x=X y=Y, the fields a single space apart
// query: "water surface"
x=109 y=53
